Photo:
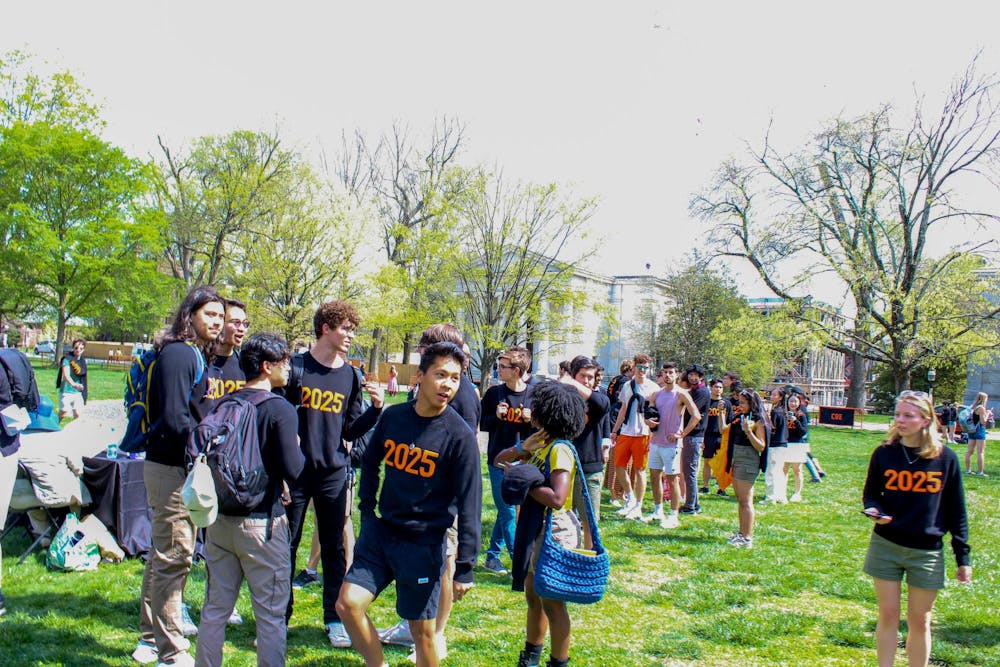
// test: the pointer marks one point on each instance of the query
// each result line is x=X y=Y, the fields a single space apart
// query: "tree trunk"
x=373 y=356
x=901 y=378
x=60 y=334
x=407 y=344
x=857 y=389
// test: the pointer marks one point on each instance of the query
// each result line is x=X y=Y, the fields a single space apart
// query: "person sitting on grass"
x=559 y=413
x=914 y=495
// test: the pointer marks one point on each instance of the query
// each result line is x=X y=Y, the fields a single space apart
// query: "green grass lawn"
x=799 y=598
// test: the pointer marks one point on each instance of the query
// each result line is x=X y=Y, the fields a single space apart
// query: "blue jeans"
x=503 y=529
x=690 y=455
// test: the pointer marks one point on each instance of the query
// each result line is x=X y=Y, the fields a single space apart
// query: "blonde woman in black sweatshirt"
x=914 y=495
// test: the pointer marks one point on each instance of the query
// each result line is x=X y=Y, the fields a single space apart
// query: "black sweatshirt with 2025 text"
x=924 y=497
x=431 y=469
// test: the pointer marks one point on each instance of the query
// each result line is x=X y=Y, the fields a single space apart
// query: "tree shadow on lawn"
x=968 y=635
x=32 y=641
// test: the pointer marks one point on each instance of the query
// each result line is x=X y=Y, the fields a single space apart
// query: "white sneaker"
x=657 y=515
x=188 y=627
x=235 y=618
x=337 y=634
x=180 y=660
x=670 y=521
x=796 y=498
x=615 y=502
x=145 y=653
x=626 y=508
x=398 y=634
x=635 y=513
x=735 y=538
x=442 y=649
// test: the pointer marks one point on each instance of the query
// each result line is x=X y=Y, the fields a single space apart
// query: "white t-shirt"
x=634 y=423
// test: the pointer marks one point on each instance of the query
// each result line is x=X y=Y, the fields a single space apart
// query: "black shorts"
x=381 y=558
x=711 y=447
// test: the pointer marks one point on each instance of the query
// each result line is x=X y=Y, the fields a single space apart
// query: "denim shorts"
x=887 y=560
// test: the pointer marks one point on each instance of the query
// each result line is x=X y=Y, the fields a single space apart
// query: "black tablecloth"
x=119 y=495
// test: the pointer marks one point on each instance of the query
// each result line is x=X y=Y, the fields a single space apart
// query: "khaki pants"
x=237 y=548
x=8 y=472
x=169 y=560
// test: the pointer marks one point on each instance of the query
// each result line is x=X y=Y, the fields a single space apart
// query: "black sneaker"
x=703 y=489
x=495 y=566
x=721 y=492
x=305 y=578
x=690 y=510
x=527 y=659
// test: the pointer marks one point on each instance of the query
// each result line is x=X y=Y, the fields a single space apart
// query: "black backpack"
x=227 y=436
x=20 y=388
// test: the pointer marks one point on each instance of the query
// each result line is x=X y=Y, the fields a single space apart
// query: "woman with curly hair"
x=914 y=495
x=559 y=413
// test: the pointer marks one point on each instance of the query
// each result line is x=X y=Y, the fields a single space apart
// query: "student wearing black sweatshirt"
x=914 y=495
x=427 y=461
x=329 y=402
x=506 y=416
x=255 y=546
x=465 y=401
x=224 y=375
x=180 y=362
x=589 y=443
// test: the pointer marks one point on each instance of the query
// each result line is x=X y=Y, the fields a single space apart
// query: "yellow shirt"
x=560 y=456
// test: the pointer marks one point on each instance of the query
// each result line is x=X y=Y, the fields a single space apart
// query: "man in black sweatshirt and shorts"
x=430 y=461
x=328 y=396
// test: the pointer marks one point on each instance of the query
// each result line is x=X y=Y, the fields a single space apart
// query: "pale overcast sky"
x=632 y=102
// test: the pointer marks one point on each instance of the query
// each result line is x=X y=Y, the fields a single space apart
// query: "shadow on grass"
x=52 y=645
x=969 y=635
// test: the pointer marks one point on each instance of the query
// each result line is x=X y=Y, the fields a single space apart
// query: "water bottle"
x=113 y=451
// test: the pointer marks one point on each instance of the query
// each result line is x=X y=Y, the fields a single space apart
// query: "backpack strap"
x=635 y=399
x=296 y=370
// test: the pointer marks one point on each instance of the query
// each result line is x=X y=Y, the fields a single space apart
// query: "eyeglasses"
x=505 y=367
x=642 y=368
x=239 y=324
x=917 y=394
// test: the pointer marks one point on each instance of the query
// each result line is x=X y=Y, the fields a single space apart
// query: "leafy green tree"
x=301 y=254
x=71 y=203
x=860 y=206
x=28 y=97
x=758 y=345
x=700 y=299
x=514 y=272
x=216 y=190
x=409 y=186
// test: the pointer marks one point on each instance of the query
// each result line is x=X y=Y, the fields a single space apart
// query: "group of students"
x=672 y=424
x=419 y=488
x=420 y=492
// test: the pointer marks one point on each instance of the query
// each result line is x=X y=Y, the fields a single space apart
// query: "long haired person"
x=914 y=496
x=183 y=350
x=748 y=438
x=977 y=439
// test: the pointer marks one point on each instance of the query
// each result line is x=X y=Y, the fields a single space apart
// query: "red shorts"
x=634 y=447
